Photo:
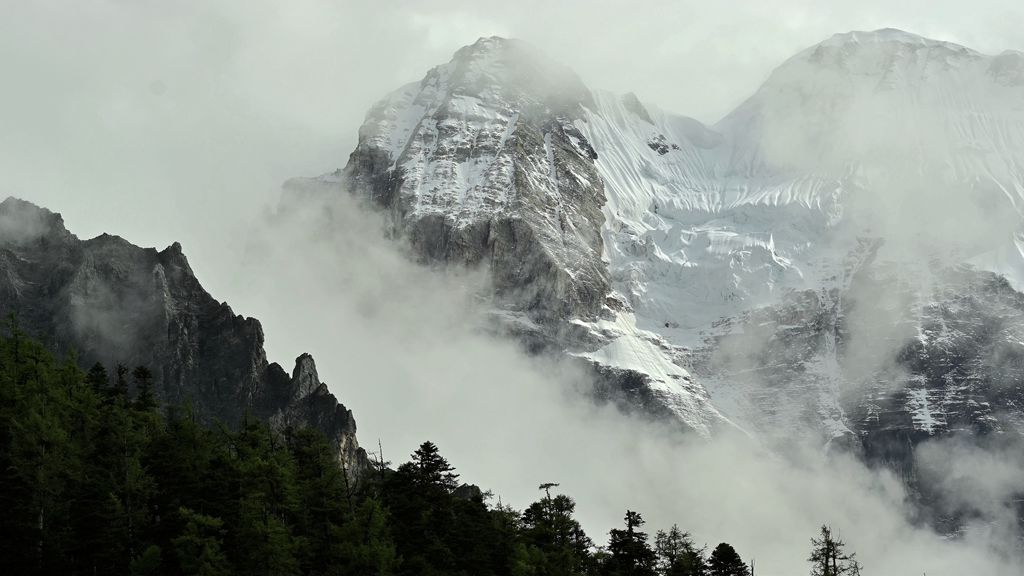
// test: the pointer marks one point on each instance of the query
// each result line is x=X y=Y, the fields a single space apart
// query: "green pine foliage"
x=553 y=538
x=678 y=555
x=629 y=552
x=96 y=478
x=725 y=561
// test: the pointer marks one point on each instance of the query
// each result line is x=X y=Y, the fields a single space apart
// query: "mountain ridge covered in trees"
x=97 y=478
x=114 y=302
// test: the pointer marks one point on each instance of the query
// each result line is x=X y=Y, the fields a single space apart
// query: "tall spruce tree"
x=629 y=552
x=97 y=378
x=556 y=541
x=432 y=468
x=725 y=561
x=145 y=397
x=419 y=497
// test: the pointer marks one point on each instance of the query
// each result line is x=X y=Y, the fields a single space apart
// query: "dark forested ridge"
x=95 y=478
x=112 y=301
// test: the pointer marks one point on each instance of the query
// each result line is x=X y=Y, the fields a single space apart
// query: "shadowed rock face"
x=726 y=276
x=947 y=360
x=631 y=237
x=110 y=301
x=960 y=375
x=484 y=162
x=947 y=364
x=481 y=162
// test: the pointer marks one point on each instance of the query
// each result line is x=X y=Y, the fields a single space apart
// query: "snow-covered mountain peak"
x=852 y=65
x=891 y=37
x=885 y=100
x=882 y=53
x=511 y=69
x=640 y=240
x=490 y=53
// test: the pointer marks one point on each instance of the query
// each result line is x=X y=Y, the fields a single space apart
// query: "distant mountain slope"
x=113 y=302
x=871 y=149
x=485 y=161
x=822 y=264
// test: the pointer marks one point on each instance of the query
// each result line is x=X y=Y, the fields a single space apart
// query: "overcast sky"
x=178 y=120
x=164 y=121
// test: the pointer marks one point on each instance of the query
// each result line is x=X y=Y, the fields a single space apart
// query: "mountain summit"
x=809 y=267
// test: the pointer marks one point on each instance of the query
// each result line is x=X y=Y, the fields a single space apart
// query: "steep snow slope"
x=685 y=246
x=716 y=274
x=880 y=135
x=483 y=161
x=925 y=138
x=727 y=214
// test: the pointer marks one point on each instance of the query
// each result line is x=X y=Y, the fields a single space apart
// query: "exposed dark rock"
x=531 y=210
x=950 y=365
x=487 y=161
x=660 y=145
x=109 y=301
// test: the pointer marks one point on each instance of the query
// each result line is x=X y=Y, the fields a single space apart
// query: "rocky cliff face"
x=835 y=261
x=486 y=161
x=481 y=161
x=112 y=302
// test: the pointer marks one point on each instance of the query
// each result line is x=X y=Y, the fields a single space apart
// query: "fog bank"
x=406 y=348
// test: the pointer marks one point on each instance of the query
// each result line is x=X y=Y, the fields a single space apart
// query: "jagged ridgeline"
x=835 y=262
x=111 y=302
x=644 y=243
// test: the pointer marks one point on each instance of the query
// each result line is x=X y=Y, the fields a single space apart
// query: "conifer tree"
x=120 y=388
x=725 y=561
x=97 y=378
x=677 y=554
x=145 y=399
x=419 y=497
x=324 y=506
x=828 y=557
x=558 y=543
x=365 y=544
x=629 y=552
x=262 y=543
x=198 y=550
x=94 y=482
x=432 y=468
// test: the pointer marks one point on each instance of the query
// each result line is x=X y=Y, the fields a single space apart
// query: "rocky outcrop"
x=485 y=161
x=110 y=301
x=947 y=361
x=944 y=362
x=795 y=270
x=481 y=162
x=960 y=374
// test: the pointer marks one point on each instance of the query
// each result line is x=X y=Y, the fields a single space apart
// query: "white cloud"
x=406 y=347
x=178 y=121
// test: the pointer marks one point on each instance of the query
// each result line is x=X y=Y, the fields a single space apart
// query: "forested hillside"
x=96 y=478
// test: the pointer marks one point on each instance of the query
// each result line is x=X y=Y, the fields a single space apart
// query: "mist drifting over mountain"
x=747 y=277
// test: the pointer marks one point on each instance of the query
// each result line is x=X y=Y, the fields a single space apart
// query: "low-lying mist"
x=407 y=348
